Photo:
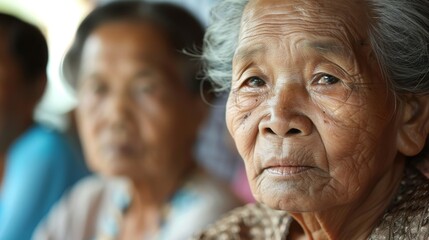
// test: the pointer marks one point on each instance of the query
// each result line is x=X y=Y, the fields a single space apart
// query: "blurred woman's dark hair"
x=26 y=44
x=183 y=31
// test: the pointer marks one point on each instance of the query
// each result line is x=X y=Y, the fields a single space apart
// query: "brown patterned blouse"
x=407 y=218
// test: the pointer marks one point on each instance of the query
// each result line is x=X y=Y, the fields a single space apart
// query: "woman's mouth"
x=118 y=149
x=286 y=170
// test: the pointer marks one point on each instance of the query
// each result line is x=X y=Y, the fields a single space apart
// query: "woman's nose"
x=117 y=110
x=287 y=114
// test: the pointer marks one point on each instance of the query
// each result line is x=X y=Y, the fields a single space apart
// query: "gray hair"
x=400 y=41
x=399 y=37
x=221 y=41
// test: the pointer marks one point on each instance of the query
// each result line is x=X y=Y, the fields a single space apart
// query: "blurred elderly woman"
x=139 y=109
x=329 y=108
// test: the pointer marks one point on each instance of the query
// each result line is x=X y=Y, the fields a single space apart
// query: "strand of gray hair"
x=220 y=42
x=400 y=40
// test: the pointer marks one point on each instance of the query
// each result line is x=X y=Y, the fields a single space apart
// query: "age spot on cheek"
x=247 y=115
x=324 y=118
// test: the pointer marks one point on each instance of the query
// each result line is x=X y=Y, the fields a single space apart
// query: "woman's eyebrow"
x=245 y=53
x=322 y=46
x=329 y=47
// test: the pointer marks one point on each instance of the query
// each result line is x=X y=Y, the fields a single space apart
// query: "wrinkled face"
x=308 y=110
x=134 y=114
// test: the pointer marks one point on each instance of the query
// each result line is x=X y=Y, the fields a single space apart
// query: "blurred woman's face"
x=134 y=114
x=309 y=112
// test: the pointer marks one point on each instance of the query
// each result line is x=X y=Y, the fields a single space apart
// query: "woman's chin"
x=293 y=193
x=121 y=170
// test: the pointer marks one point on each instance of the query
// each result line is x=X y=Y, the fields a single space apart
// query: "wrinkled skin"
x=320 y=132
x=134 y=114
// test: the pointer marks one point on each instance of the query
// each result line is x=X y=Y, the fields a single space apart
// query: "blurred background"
x=59 y=19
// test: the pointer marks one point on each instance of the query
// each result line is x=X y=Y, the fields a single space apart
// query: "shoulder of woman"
x=41 y=143
x=75 y=216
x=408 y=214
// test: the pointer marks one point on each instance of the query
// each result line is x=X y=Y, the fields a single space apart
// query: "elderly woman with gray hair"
x=328 y=107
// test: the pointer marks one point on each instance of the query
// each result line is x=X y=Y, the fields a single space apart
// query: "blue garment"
x=40 y=166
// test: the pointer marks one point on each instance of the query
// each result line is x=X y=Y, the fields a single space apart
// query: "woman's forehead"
x=127 y=36
x=346 y=20
x=310 y=8
x=119 y=43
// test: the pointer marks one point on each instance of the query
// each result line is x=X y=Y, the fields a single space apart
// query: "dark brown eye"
x=327 y=79
x=255 y=82
x=98 y=87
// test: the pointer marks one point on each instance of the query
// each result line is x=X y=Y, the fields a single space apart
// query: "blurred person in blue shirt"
x=37 y=163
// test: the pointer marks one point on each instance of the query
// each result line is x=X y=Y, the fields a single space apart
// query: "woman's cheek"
x=236 y=120
x=236 y=114
x=340 y=113
x=243 y=109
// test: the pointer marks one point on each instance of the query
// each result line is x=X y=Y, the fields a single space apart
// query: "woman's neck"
x=354 y=221
x=157 y=192
x=150 y=202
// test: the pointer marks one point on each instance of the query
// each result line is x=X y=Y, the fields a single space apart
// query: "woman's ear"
x=414 y=124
